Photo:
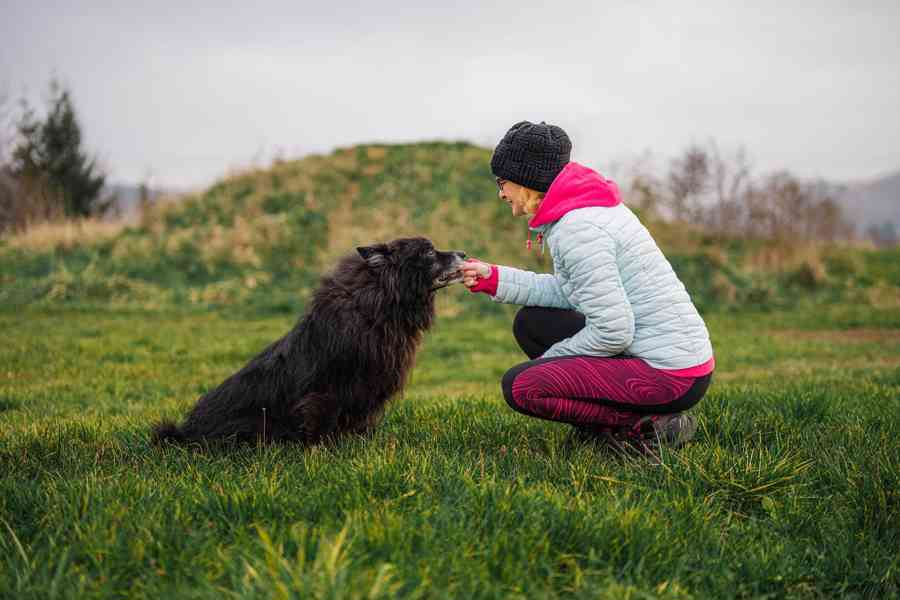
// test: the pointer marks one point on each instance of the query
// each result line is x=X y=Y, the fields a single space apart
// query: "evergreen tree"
x=49 y=152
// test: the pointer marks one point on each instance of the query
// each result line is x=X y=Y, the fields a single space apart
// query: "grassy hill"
x=259 y=240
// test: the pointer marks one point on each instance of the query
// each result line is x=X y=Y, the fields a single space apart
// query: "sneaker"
x=672 y=431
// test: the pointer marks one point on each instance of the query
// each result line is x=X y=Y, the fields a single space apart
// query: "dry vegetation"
x=64 y=234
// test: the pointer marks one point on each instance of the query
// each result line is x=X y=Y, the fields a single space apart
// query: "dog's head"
x=414 y=262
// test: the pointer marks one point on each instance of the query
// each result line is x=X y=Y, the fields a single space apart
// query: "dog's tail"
x=168 y=431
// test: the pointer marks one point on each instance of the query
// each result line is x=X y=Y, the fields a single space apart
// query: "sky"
x=181 y=93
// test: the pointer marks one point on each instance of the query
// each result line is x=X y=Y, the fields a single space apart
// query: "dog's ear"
x=374 y=255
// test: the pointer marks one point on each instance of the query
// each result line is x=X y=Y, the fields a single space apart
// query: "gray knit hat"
x=532 y=154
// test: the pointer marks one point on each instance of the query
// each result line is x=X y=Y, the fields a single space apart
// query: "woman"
x=616 y=346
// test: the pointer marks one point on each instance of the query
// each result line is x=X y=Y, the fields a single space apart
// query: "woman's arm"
x=597 y=292
x=516 y=286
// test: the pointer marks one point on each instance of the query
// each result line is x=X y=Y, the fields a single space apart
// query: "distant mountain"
x=874 y=202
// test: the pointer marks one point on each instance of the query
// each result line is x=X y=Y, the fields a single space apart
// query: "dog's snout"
x=460 y=255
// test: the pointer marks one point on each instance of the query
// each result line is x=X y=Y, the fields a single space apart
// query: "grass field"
x=791 y=489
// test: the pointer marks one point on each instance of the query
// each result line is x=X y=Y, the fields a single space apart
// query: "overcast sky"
x=184 y=93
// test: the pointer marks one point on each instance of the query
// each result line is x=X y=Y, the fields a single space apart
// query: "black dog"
x=336 y=369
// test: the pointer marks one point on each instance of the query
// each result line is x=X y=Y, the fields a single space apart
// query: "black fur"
x=345 y=358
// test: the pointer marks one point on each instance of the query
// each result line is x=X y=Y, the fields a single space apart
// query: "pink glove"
x=480 y=277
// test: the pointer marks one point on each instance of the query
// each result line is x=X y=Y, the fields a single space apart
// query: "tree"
x=731 y=179
x=719 y=192
x=688 y=181
x=49 y=157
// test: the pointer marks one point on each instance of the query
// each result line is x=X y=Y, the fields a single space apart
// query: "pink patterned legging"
x=610 y=392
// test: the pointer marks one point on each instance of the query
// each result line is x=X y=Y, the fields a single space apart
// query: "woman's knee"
x=520 y=323
x=524 y=331
x=507 y=383
x=536 y=328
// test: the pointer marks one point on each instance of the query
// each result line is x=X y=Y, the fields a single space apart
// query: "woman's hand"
x=473 y=270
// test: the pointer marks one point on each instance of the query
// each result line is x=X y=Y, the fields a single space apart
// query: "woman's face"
x=512 y=194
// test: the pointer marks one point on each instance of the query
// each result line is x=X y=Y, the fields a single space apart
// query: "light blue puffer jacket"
x=607 y=267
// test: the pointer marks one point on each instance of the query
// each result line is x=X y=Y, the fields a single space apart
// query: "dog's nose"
x=460 y=254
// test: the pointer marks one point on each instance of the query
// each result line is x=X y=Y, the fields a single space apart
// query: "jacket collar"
x=575 y=187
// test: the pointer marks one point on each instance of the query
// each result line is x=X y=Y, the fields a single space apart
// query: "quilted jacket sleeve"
x=589 y=258
x=515 y=286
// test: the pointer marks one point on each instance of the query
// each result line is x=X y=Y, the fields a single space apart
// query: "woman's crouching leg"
x=537 y=328
x=533 y=398
x=613 y=393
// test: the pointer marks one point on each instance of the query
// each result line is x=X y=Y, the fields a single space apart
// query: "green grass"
x=791 y=489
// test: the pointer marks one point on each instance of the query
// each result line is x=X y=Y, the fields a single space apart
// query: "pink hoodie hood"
x=576 y=186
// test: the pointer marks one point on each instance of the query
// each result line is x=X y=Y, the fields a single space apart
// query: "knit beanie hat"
x=531 y=154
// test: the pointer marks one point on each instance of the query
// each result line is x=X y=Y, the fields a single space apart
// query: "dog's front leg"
x=365 y=425
x=318 y=415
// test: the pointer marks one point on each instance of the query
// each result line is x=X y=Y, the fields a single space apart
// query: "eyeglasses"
x=500 y=183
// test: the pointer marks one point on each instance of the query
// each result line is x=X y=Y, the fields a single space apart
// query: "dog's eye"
x=430 y=253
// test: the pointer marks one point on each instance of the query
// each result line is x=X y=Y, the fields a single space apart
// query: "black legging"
x=537 y=328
